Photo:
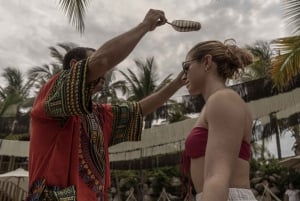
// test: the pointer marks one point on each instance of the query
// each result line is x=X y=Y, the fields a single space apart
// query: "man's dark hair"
x=77 y=53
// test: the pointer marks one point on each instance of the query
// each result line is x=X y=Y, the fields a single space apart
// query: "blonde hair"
x=228 y=57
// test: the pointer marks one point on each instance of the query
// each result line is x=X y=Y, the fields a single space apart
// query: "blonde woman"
x=217 y=150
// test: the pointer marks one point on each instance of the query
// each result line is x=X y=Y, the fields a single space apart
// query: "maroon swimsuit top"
x=195 y=146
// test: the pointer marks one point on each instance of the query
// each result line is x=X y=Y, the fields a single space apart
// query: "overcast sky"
x=29 y=28
x=286 y=143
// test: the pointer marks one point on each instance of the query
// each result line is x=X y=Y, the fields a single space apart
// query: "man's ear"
x=73 y=62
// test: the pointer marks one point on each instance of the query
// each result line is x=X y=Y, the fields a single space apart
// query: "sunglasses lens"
x=185 y=67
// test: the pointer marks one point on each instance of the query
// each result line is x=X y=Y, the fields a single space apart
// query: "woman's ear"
x=207 y=59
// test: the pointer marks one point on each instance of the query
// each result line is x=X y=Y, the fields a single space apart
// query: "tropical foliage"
x=286 y=64
x=16 y=90
x=154 y=180
x=296 y=134
x=75 y=10
x=175 y=112
x=143 y=83
x=262 y=53
x=41 y=74
x=109 y=93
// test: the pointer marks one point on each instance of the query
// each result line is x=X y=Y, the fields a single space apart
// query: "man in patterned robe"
x=70 y=135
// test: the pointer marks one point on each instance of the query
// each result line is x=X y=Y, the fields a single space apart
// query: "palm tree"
x=75 y=9
x=144 y=83
x=16 y=91
x=57 y=55
x=12 y=97
x=109 y=91
x=286 y=65
x=262 y=53
x=41 y=74
x=296 y=134
x=260 y=132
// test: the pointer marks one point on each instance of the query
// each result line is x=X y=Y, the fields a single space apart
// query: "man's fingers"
x=155 y=18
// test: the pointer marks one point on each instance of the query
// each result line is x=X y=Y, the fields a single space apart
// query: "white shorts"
x=236 y=194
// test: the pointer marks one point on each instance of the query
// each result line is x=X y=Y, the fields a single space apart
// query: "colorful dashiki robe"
x=70 y=136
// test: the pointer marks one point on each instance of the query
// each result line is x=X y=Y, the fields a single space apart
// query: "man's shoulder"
x=45 y=89
x=49 y=83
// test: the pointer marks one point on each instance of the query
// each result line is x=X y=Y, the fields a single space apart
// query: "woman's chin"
x=191 y=92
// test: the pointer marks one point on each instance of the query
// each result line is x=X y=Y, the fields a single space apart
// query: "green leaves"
x=143 y=83
x=17 y=89
x=286 y=64
x=75 y=10
x=291 y=10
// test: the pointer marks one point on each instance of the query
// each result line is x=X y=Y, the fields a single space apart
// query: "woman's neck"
x=211 y=89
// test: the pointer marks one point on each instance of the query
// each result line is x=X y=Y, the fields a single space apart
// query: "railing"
x=164 y=196
x=11 y=192
x=249 y=91
x=9 y=163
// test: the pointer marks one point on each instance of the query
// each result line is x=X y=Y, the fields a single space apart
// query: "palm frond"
x=121 y=85
x=58 y=55
x=163 y=83
x=291 y=9
x=134 y=84
x=38 y=71
x=148 y=75
x=261 y=50
x=75 y=10
x=67 y=46
x=26 y=88
x=109 y=92
x=13 y=76
x=286 y=65
x=143 y=83
x=2 y=94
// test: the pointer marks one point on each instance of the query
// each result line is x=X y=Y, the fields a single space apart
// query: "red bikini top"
x=195 y=146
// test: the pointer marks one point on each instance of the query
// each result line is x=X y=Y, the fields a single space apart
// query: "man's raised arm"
x=117 y=49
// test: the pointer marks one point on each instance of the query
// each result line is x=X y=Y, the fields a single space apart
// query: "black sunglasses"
x=186 y=65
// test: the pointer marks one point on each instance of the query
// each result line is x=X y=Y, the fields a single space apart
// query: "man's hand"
x=154 y=18
x=118 y=48
x=181 y=79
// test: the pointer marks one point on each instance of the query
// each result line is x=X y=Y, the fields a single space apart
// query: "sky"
x=286 y=144
x=29 y=28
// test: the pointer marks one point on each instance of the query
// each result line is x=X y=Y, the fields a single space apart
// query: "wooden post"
x=274 y=124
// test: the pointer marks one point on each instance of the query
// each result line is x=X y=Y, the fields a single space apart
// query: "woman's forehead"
x=188 y=57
